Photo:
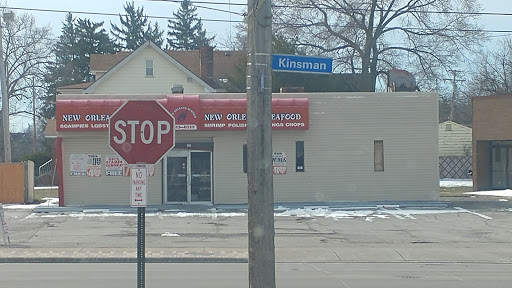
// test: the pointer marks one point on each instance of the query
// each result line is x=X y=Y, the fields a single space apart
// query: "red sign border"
x=166 y=111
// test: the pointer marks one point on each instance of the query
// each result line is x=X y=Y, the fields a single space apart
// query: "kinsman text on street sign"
x=303 y=64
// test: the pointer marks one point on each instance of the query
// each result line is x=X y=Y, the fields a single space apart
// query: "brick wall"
x=492 y=118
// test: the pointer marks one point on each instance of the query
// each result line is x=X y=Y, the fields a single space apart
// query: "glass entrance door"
x=189 y=177
x=501 y=165
x=177 y=183
x=201 y=178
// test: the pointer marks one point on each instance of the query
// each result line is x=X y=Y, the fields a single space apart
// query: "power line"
x=204 y=7
x=355 y=9
x=235 y=21
x=201 y=2
x=114 y=14
x=274 y=6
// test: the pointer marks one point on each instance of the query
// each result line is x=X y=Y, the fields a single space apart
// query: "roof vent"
x=177 y=89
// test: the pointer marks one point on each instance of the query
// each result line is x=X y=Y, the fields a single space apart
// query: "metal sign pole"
x=141 y=239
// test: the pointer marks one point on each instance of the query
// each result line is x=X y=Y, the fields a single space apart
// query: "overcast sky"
x=224 y=23
x=223 y=27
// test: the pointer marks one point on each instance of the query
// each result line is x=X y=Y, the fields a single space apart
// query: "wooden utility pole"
x=259 y=146
x=454 y=94
x=5 y=96
x=34 y=128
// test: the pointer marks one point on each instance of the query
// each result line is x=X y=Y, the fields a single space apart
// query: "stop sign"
x=141 y=131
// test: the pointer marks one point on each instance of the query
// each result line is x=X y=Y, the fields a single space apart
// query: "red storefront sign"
x=190 y=113
x=231 y=114
x=185 y=109
x=85 y=114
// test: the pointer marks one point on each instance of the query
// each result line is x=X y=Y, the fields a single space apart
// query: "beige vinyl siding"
x=104 y=190
x=130 y=78
x=456 y=142
x=230 y=180
x=339 y=156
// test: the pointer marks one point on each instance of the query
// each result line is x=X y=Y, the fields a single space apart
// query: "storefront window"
x=299 y=156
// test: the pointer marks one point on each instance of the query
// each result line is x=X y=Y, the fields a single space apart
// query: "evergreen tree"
x=93 y=39
x=66 y=54
x=135 y=29
x=186 y=32
x=79 y=39
x=62 y=71
x=155 y=35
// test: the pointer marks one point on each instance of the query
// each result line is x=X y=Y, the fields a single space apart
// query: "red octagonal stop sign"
x=141 y=131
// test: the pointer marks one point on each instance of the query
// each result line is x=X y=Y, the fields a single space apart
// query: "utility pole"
x=259 y=146
x=454 y=94
x=5 y=98
x=34 y=139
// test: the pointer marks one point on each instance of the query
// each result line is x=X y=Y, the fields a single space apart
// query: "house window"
x=448 y=127
x=378 y=155
x=244 y=156
x=299 y=156
x=149 y=68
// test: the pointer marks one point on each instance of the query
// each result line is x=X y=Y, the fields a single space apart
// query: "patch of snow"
x=20 y=206
x=169 y=234
x=46 y=188
x=498 y=193
x=211 y=215
x=49 y=202
x=455 y=183
x=503 y=200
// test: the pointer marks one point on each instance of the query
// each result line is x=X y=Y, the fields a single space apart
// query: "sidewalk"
x=283 y=255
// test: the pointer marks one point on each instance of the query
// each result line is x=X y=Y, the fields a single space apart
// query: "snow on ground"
x=47 y=188
x=20 y=206
x=49 y=202
x=367 y=213
x=455 y=183
x=498 y=193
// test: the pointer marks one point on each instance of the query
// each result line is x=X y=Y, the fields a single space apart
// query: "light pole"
x=8 y=16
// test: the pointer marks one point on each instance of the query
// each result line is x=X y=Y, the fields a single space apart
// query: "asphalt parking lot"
x=467 y=230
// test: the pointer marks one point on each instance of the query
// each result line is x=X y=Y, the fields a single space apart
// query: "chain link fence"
x=455 y=167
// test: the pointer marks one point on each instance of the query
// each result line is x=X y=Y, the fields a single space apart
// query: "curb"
x=122 y=260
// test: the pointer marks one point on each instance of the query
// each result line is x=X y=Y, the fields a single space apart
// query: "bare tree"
x=368 y=37
x=493 y=71
x=27 y=51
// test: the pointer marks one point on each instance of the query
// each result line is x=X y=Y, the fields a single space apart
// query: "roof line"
x=90 y=89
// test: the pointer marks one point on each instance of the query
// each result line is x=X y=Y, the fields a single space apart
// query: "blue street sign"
x=303 y=64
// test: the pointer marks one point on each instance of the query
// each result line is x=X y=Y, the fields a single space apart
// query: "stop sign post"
x=141 y=132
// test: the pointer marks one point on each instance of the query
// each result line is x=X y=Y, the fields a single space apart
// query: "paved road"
x=289 y=275
x=475 y=233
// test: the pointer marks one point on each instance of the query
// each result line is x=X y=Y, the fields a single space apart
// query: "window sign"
x=114 y=165
x=279 y=162
x=77 y=165
x=93 y=165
